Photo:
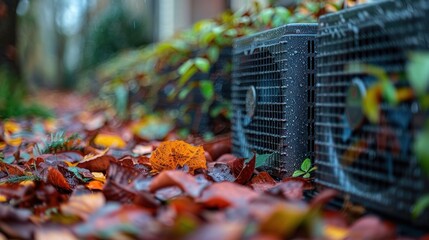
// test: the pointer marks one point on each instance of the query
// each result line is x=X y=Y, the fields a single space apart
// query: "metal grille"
x=373 y=163
x=272 y=71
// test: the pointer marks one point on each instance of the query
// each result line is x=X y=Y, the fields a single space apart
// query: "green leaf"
x=418 y=71
x=298 y=173
x=389 y=92
x=202 y=64
x=420 y=206
x=312 y=169
x=213 y=53
x=186 y=76
x=207 y=89
x=266 y=15
x=184 y=92
x=307 y=175
x=421 y=148
x=185 y=67
x=306 y=165
x=261 y=159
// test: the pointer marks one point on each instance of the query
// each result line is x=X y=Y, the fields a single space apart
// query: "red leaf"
x=177 y=178
x=99 y=164
x=371 y=227
x=262 y=182
x=222 y=230
x=291 y=190
x=225 y=194
x=246 y=171
x=11 y=170
x=57 y=179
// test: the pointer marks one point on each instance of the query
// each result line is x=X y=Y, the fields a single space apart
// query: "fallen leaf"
x=109 y=141
x=284 y=220
x=10 y=129
x=218 y=147
x=11 y=170
x=54 y=234
x=172 y=154
x=226 y=194
x=262 y=182
x=184 y=181
x=83 y=205
x=224 y=230
x=120 y=186
x=98 y=164
x=371 y=227
x=220 y=172
x=55 y=178
x=95 y=185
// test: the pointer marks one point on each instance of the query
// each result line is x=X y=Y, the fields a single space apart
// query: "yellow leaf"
x=99 y=176
x=109 y=140
x=172 y=154
x=2 y=145
x=26 y=183
x=335 y=233
x=371 y=103
x=11 y=128
x=3 y=198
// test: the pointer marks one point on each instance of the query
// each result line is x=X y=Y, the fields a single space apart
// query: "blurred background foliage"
x=166 y=58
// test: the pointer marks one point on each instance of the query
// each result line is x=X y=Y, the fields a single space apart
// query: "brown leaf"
x=11 y=170
x=98 y=164
x=371 y=227
x=218 y=147
x=323 y=198
x=262 y=182
x=226 y=194
x=222 y=230
x=291 y=190
x=119 y=186
x=55 y=178
x=177 y=178
x=172 y=154
x=245 y=170
x=83 y=205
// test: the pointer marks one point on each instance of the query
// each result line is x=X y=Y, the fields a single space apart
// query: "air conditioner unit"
x=372 y=163
x=272 y=95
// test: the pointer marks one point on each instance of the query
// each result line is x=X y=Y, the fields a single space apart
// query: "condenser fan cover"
x=372 y=162
x=272 y=90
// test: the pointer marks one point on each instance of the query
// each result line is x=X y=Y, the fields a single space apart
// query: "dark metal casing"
x=273 y=95
x=373 y=163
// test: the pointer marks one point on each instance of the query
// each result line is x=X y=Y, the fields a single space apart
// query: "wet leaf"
x=226 y=194
x=184 y=181
x=221 y=172
x=306 y=165
x=172 y=154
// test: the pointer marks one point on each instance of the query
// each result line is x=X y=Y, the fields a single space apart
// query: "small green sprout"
x=306 y=169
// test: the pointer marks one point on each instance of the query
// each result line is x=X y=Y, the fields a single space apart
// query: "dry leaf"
x=184 y=181
x=95 y=185
x=83 y=205
x=172 y=154
x=57 y=179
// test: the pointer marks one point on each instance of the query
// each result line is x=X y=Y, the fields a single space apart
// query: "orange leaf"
x=95 y=185
x=57 y=179
x=171 y=154
x=109 y=140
